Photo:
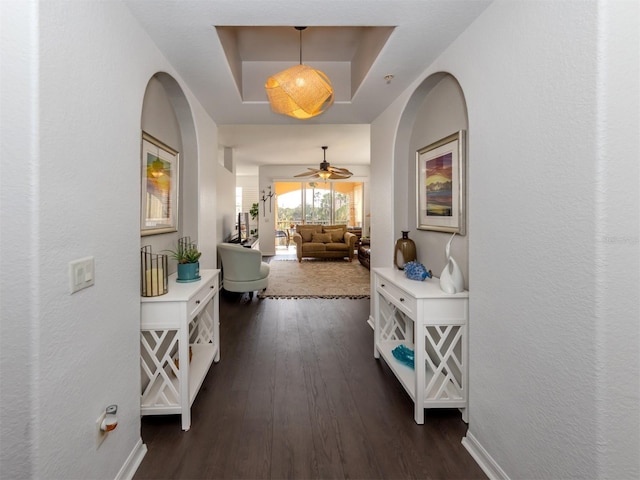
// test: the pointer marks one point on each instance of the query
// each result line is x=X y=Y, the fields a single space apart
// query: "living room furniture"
x=242 y=269
x=434 y=324
x=283 y=234
x=179 y=339
x=357 y=231
x=251 y=242
x=364 y=252
x=324 y=241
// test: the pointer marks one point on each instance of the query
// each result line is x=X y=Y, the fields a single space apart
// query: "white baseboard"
x=483 y=459
x=132 y=463
x=370 y=322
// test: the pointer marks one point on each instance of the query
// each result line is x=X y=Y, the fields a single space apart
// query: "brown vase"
x=405 y=251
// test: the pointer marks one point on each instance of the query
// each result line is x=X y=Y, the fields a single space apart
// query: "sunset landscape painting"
x=440 y=189
x=439 y=201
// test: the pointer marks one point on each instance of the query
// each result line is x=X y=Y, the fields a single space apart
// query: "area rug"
x=317 y=279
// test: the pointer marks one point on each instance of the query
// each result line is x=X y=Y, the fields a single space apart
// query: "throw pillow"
x=336 y=234
x=306 y=234
x=321 y=238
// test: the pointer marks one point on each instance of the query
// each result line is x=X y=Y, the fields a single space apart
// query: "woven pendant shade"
x=300 y=92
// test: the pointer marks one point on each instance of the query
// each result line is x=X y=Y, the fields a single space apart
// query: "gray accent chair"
x=242 y=269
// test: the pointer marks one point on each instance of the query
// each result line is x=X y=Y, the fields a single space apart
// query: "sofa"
x=324 y=241
x=364 y=252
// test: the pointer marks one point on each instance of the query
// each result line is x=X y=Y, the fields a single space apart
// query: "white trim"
x=371 y=322
x=132 y=463
x=482 y=458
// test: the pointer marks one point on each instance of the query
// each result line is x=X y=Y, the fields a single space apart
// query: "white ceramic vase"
x=451 y=279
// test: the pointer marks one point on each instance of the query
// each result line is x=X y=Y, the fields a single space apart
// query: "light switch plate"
x=81 y=274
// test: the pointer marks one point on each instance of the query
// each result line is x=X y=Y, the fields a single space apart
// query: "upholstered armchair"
x=242 y=269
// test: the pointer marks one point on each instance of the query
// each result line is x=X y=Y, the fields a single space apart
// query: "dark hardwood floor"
x=297 y=394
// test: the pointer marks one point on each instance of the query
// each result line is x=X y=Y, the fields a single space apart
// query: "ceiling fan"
x=326 y=171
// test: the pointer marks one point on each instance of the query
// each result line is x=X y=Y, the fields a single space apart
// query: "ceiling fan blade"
x=337 y=176
x=340 y=170
x=307 y=174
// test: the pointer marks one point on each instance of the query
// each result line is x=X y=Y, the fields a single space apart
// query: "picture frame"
x=159 y=188
x=441 y=189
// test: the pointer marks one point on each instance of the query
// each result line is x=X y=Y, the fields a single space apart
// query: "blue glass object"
x=416 y=271
x=404 y=355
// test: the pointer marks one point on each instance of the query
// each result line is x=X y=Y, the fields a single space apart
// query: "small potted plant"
x=254 y=214
x=187 y=255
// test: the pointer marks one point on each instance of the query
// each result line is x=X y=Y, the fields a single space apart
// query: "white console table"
x=180 y=324
x=432 y=323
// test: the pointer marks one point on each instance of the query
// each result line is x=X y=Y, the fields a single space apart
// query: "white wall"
x=206 y=137
x=553 y=216
x=384 y=215
x=159 y=120
x=158 y=116
x=441 y=112
x=250 y=195
x=226 y=195
x=617 y=261
x=19 y=306
x=76 y=83
x=168 y=116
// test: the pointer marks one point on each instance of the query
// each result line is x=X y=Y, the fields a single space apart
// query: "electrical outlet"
x=100 y=434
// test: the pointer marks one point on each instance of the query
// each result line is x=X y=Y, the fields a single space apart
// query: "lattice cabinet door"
x=201 y=328
x=444 y=351
x=394 y=323
x=159 y=370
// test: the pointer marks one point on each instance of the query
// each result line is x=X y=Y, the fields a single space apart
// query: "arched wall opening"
x=436 y=109
x=167 y=116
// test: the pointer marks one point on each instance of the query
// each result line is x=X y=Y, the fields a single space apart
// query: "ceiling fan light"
x=300 y=92
x=326 y=171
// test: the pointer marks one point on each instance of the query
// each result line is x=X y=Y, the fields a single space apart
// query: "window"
x=238 y=200
x=317 y=204
x=328 y=203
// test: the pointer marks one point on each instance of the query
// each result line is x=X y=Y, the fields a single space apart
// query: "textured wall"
x=19 y=304
x=531 y=100
x=89 y=110
x=90 y=102
x=553 y=335
x=617 y=262
x=80 y=79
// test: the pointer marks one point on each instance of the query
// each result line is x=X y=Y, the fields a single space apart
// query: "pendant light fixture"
x=301 y=91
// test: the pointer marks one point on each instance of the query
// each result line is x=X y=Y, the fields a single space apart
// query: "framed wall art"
x=440 y=191
x=159 y=200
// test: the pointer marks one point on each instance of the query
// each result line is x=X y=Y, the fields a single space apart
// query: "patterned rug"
x=317 y=279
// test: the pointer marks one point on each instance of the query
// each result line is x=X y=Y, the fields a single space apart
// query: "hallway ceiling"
x=224 y=50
